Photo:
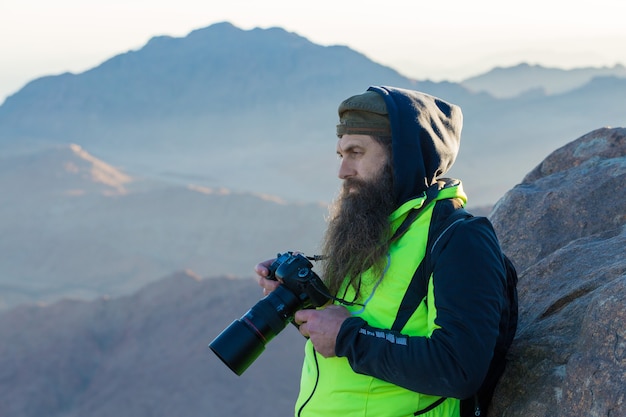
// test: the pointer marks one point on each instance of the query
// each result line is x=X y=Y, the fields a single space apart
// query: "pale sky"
x=436 y=40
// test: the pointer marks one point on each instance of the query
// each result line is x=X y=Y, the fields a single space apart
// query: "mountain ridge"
x=186 y=107
x=506 y=82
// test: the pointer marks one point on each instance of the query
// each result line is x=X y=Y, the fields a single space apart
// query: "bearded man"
x=361 y=359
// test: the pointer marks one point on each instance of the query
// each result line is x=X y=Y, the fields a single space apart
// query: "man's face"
x=362 y=159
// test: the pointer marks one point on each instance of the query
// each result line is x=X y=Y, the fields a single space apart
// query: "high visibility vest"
x=329 y=386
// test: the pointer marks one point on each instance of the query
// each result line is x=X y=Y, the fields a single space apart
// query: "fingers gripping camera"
x=244 y=340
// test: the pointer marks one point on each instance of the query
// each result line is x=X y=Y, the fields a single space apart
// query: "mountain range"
x=215 y=150
x=525 y=79
x=254 y=110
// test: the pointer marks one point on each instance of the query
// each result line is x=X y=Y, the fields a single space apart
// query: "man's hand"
x=322 y=327
x=262 y=271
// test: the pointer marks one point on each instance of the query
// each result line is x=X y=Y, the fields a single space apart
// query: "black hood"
x=426 y=134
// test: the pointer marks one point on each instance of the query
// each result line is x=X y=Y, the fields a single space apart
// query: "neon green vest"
x=329 y=386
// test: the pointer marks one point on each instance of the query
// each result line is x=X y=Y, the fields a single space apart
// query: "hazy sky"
x=435 y=40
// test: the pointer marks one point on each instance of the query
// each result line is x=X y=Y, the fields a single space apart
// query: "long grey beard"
x=358 y=233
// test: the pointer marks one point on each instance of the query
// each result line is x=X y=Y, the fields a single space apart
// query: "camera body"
x=295 y=272
x=241 y=343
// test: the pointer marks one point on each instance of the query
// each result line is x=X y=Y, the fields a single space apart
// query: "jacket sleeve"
x=470 y=293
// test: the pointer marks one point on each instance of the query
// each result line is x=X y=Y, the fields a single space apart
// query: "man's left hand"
x=322 y=327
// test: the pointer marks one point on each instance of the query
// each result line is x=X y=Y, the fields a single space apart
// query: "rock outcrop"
x=564 y=227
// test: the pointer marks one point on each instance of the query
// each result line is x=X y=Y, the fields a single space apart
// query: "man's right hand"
x=262 y=271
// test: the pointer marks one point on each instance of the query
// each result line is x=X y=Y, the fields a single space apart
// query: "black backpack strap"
x=446 y=215
x=431 y=194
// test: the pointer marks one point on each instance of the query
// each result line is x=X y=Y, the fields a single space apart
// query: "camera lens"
x=244 y=340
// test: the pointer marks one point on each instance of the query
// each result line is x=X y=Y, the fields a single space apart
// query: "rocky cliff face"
x=564 y=226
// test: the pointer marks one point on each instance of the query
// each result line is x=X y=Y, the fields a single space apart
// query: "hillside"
x=140 y=355
x=77 y=226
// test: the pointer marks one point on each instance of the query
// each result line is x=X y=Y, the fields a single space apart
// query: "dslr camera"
x=244 y=340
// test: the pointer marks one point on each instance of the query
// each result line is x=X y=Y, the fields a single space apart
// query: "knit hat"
x=364 y=114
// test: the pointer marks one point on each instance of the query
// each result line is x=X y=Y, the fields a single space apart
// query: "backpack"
x=439 y=232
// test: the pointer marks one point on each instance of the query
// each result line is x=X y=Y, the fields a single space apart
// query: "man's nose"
x=346 y=170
